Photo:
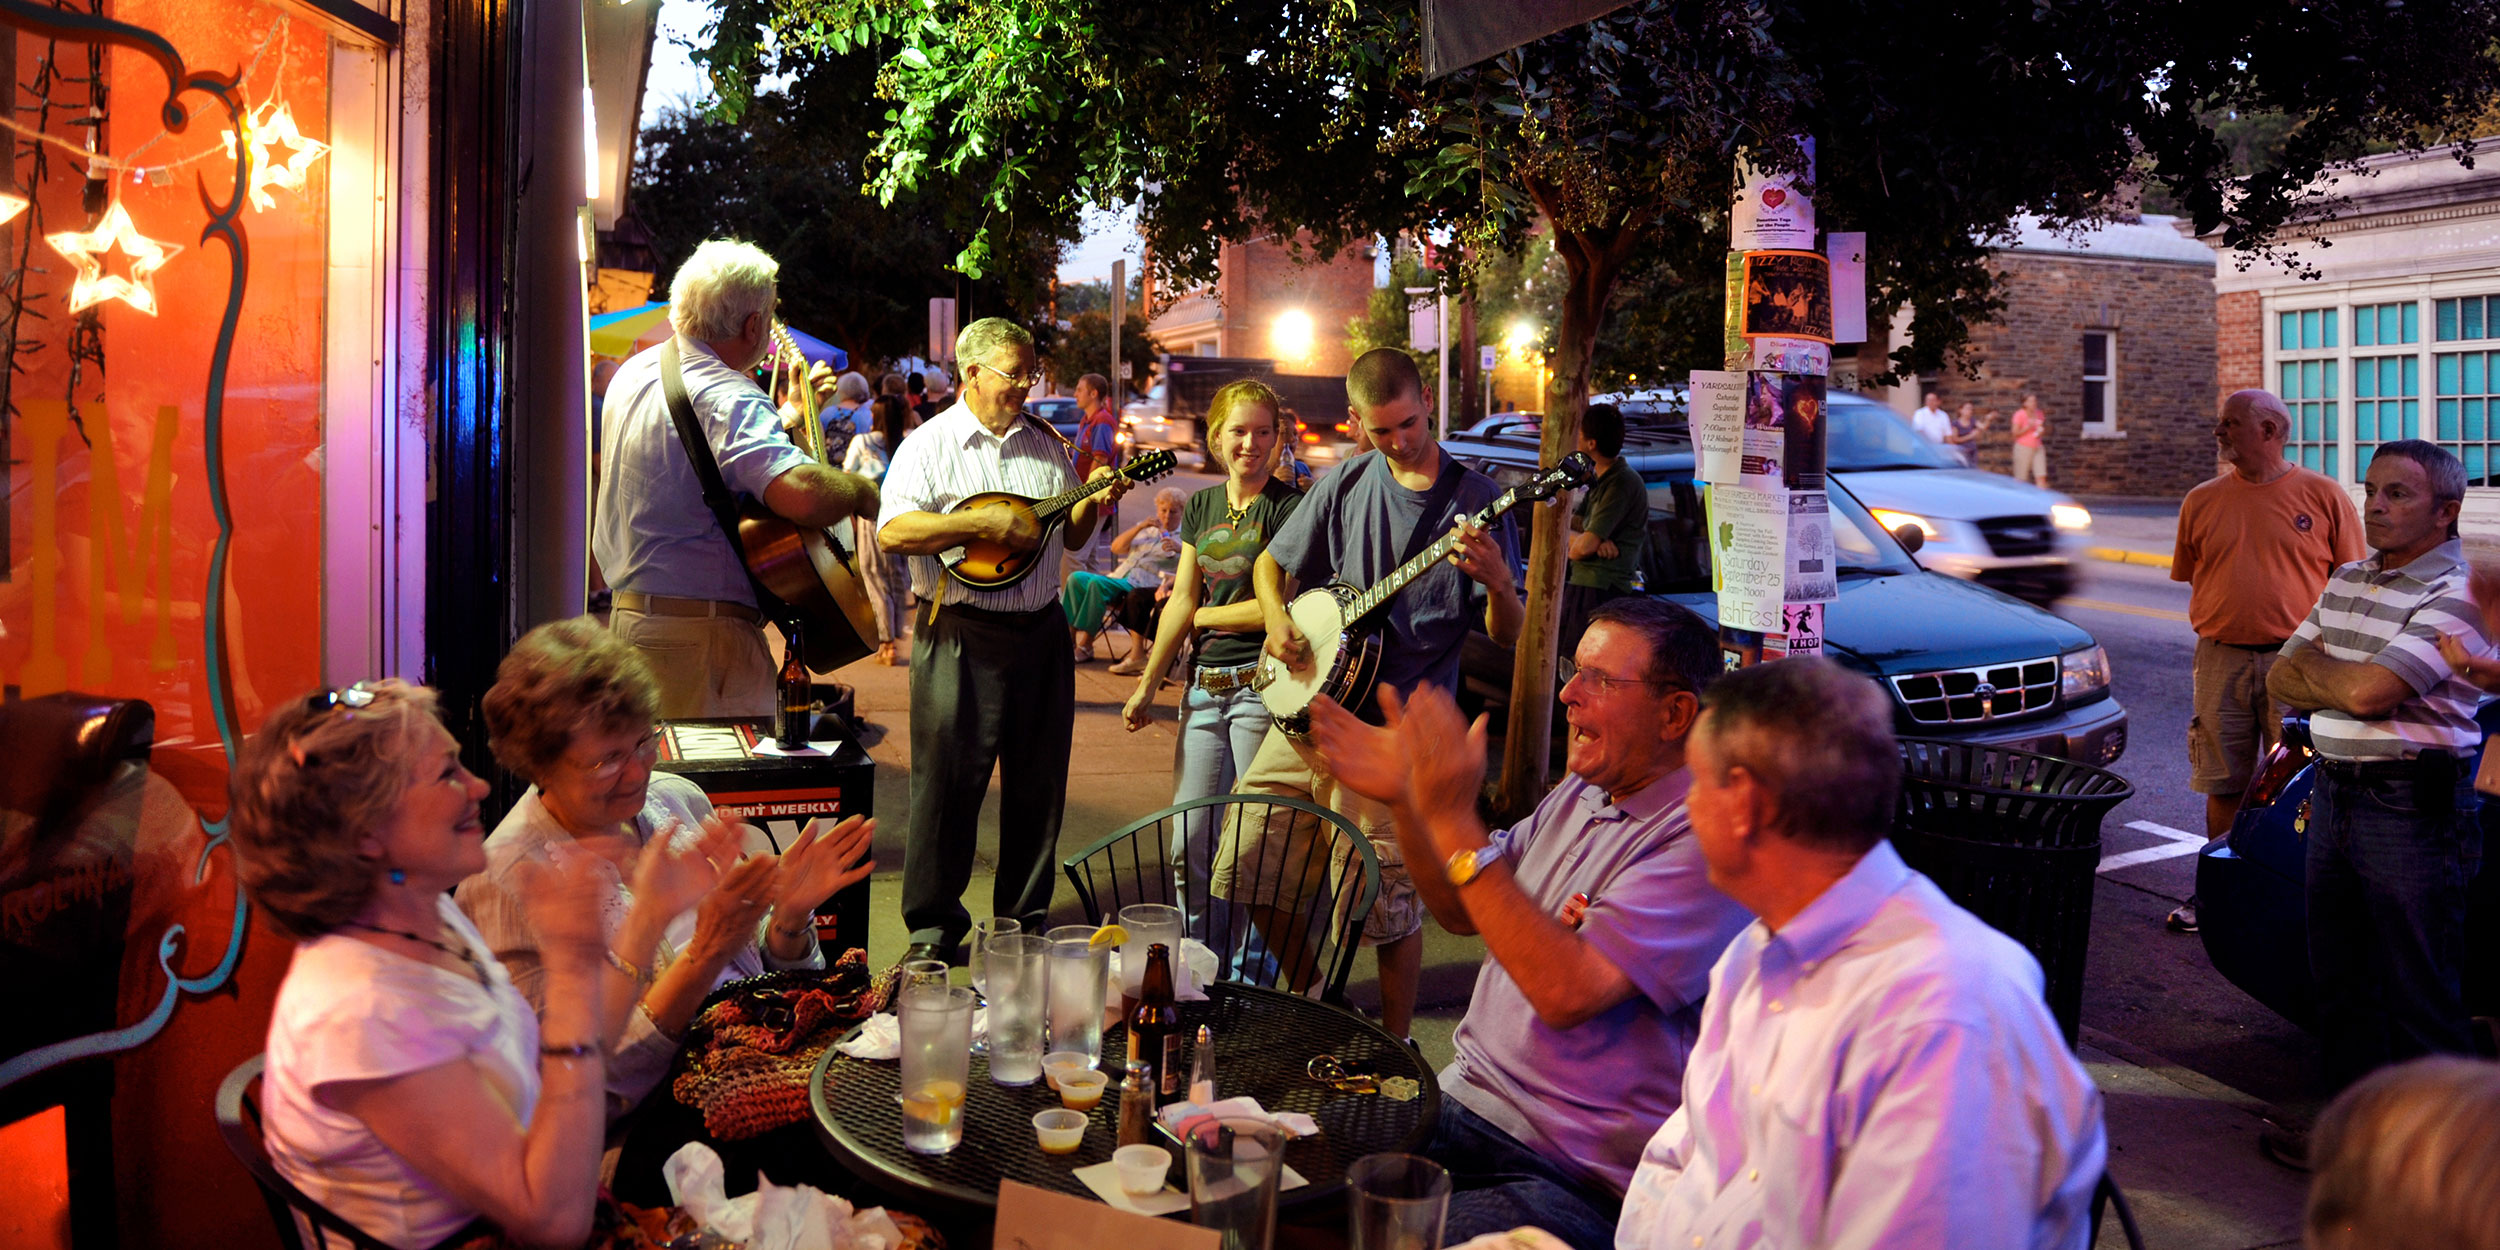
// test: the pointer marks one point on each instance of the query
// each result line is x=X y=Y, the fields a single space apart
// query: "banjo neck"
x=1387 y=588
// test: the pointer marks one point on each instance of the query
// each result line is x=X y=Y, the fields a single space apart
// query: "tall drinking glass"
x=1397 y=1202
x=1148 y=925
x=1235 y=1170
x=976 y=958
x=976 y=952
x=937 y=1064
x=1080 y=978
x=1017 y=976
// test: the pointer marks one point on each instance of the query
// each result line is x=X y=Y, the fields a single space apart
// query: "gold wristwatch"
x=1467 y=865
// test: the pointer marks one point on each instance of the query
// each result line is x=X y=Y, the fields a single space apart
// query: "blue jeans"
x=2387 y=876
x=1219 y=735
x=1497 y=1184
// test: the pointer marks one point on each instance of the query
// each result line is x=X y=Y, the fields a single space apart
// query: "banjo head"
x=1320 y=615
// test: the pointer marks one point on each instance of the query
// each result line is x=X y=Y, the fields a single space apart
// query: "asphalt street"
x=2148 y=987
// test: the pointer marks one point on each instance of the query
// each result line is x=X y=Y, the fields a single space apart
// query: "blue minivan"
x=1961 y=661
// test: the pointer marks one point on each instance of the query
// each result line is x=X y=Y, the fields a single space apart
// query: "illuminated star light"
x=264 y=128
x=86 y=250
x=11 y=206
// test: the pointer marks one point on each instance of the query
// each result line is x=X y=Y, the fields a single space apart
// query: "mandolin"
x=985 y=565
x=813 y=572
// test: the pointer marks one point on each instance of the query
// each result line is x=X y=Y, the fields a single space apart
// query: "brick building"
x=1272 y=302
x=2394 y=336
x=2114 y=329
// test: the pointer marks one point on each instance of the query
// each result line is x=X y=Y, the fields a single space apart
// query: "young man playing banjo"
x=1357 y=525
x=683 y=598
x=993 y=681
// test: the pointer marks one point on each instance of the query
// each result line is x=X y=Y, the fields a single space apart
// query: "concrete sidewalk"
x=2182 y=1147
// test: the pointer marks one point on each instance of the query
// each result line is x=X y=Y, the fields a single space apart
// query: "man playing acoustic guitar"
x=993 y=678
x=1358 y=525
x=683 y=598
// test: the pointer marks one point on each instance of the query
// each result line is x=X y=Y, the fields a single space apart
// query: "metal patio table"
x=1264 y=1040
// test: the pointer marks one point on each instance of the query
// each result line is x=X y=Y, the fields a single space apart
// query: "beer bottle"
x=1155 y=1028
x=798 y=696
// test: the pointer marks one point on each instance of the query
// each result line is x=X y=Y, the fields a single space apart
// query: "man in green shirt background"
x=1608 y=527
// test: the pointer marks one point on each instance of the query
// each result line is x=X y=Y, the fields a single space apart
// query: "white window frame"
x=2103 y=424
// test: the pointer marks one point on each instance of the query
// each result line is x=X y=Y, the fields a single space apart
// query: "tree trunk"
x=1594 y=259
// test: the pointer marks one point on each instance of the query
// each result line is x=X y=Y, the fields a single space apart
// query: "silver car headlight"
x=2083 y=672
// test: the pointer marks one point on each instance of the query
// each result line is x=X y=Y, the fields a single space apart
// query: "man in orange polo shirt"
x=2255 y=545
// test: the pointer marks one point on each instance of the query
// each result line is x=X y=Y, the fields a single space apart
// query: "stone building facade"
x=2392 y=334
x=2114 y=328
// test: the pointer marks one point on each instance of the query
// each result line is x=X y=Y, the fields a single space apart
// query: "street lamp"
x=1292 y=334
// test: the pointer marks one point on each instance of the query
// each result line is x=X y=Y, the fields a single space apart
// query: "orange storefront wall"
x=128 y=434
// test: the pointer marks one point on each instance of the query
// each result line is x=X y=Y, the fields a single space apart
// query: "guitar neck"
x=1051 y=509
x=1385 y=589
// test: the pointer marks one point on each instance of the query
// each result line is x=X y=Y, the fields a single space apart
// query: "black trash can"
x=2015 y=838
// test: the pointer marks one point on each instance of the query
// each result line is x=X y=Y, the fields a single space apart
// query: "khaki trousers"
x=706 y=665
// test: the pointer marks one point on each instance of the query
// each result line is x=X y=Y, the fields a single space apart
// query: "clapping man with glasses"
x=993 y=674
x=1597 y=912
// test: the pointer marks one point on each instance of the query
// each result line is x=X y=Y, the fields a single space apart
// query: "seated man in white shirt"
x=1876 y=1067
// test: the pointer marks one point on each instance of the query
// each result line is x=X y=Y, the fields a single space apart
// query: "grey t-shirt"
x=1354 y=527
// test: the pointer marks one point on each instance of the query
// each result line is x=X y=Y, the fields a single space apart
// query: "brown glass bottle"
x=798 y=696
x=1155 y=1027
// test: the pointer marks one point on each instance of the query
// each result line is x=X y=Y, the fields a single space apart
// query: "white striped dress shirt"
x=953 y=457
x=2393 y=618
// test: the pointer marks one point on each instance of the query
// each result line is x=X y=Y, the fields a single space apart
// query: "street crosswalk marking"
x=2175 y=843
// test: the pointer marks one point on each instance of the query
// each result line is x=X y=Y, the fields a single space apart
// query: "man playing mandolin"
x=683 y=597
x=1357 y=525
x=993 y=681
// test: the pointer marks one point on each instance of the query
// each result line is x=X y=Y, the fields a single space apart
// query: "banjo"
x=1341 y=622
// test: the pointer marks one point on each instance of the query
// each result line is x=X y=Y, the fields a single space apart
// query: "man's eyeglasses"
x=1025 y=380
x=645 y=750
x=1567 y=670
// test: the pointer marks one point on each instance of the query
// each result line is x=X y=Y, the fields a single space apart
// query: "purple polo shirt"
x=1592 y=1095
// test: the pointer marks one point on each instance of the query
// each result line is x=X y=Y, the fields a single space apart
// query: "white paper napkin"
x=1242 y=1108
x=1104 y=1180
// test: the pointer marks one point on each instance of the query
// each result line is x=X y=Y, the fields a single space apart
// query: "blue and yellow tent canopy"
x=616 y=333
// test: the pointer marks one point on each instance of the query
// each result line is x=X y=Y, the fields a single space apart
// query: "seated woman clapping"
x=572 y=711
x=409 y=1088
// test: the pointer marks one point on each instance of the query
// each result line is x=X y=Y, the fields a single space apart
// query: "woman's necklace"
x=460 y=952
x=1233 y=512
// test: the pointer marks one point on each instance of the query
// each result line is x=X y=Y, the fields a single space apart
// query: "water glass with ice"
x=1017 y=996
x=1080 y=977
x=1148 y=925
x=937 y=1064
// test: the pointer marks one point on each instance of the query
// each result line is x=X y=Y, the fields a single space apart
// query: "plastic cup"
x=1082 y=1091
x=1235 y=1169
x=1148 y=924
x=936 y=1063
x=1142 y=1168
x=1016 y=999
x=1396 y=1202
x=1059 y=1064
x=1080 y=976
x=1061 y=1131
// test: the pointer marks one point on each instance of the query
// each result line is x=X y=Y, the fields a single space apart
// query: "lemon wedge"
x=1108 y=935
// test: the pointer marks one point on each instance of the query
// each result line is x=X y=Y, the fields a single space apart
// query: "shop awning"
x=614 y=334
x=619 y=333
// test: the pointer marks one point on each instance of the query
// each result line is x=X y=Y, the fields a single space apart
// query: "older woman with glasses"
x=410 y=1090
x=572 y=712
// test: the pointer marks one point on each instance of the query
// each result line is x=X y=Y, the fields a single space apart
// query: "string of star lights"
x=86 y=249
x=263 y=131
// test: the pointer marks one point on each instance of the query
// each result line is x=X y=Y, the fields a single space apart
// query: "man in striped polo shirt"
x=2393 y=837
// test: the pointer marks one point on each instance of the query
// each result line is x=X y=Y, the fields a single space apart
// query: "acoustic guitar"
x=985 y=565
x=813 y=572
x=1342 y=624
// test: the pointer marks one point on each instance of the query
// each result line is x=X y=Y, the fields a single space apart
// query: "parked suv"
x=1980 y=526
x=1959 y=659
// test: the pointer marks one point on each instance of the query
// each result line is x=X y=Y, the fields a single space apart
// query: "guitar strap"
x=716 y=497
